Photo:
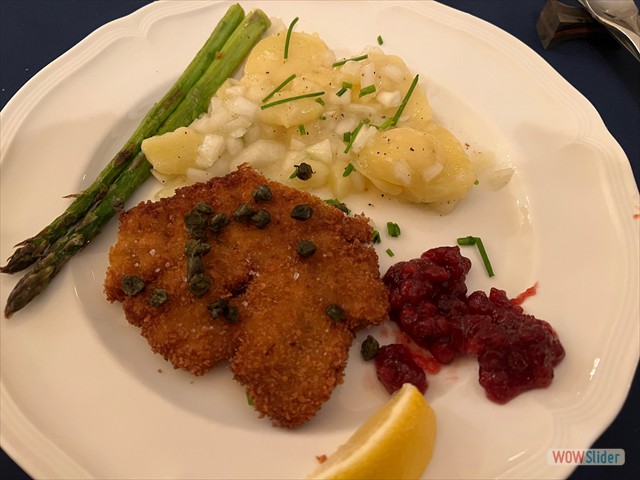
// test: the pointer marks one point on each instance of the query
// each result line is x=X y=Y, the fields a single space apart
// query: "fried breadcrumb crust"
x=284 y=348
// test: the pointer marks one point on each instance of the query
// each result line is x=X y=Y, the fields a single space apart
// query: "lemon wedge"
x=396 y=442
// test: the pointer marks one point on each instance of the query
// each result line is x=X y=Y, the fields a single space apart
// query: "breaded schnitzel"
x=279 y=297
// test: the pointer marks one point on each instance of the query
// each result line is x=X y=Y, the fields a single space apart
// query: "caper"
x=218 y=222
x=369 y=348
x=243 y=213
x=302 y=212
x=195 y=223
x=303 y=171
x=262 y=194
x=232 y=314
x=196 y=247
x=195 y=266
x=335 y=312
x=306 y=248
x=199 y=284
x=218 y=308
x=261 y=218
x=221 y=308
x=158 y=297
x=131 y=285
x=203 y=207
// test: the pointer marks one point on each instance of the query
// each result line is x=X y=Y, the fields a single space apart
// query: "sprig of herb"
x=291 y=99
x=352 y=59
x=477 y=241
x=288 y=38
x=279 y=87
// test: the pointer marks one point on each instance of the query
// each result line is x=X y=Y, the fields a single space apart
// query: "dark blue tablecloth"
x=35 y=32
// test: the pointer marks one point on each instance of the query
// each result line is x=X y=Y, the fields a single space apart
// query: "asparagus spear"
x=35 y=247
x=196 y=103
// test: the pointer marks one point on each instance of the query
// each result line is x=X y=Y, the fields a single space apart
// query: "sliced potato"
x=174 y=152
x=420 y=166
x=308 y=55
x=291 y=114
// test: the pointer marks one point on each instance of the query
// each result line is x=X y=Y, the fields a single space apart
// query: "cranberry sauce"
x=395 y=366
x=429 y=302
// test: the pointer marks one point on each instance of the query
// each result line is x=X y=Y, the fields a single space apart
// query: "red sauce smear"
x=529 y=292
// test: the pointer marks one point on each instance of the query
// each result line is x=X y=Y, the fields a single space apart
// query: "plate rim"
x=142 y=15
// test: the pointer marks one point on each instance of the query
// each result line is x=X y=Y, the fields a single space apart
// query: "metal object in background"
x=621 y=18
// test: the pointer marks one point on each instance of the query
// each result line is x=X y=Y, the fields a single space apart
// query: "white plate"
x=83 y=396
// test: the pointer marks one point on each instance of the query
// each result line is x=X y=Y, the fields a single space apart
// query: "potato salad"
x=359 y=123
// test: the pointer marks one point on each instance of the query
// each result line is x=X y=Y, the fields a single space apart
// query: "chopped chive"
x=301 y=129
x=477 y=241
x=380 y=42
x=346 y=137
x=476 y=182
x=291 y=99
x=348 y=170
x=390 y=252
x=288 y=39
x=249 y=400
x=376 y=237
x=353 y=135
x=345 y=86
x=485 y=257
x=466 y=241
x=392 y=121
x=279 y=87
x=393 y=229
x=367 y=90
x=320 y=101
x=352 y=59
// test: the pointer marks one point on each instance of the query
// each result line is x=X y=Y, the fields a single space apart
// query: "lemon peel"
x=396 y=442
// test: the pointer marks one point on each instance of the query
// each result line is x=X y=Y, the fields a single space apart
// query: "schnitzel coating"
x=251 y=291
